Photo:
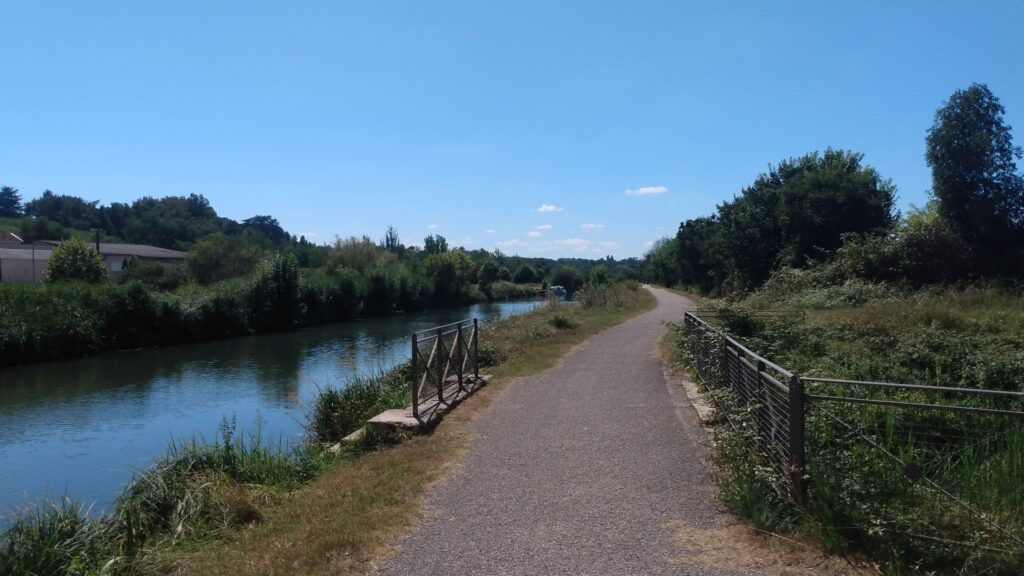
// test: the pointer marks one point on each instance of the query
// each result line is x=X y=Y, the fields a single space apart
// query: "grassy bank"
x=51 y=321
x=240 y=507
x=860 y=500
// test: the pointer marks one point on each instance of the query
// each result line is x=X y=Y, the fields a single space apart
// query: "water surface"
x=81 y=427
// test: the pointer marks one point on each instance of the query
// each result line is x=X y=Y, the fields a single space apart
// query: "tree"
x=10 y=202
x=69 y=211
x=435 y=244
x=504 y=275
x=488 y=274
x=75 y=260
x=599 y=275
x=268 y=226
x=798 y=212
x=525 y=274
x=391 y=242
x=218 y=257
x=568 y=278
x=974 y=173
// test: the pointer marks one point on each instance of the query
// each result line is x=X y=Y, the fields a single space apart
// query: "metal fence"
x=953 y=455
x=445 y=366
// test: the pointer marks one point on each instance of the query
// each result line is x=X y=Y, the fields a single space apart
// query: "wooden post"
x=413 y=367
x=476 y=350
x=442 y=359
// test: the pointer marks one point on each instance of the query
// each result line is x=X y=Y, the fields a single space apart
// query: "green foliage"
x=56 y=538
x=974 y=176
x=75 y=261
x=156 y=275
x=487 y=274
x=218 y=257
x=526 y=274
x=504 y=275
x=338 y=412
x=568 y=278
x=435 y=244
x=859 y=500
x=69 y=211
x=10 y=203
x=599 y=276
x=40 y=228
x=448 y=274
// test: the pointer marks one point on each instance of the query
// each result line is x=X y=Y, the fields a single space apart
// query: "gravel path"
x=589 y=468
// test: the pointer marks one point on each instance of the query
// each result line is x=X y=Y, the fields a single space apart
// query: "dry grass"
x=347 y=521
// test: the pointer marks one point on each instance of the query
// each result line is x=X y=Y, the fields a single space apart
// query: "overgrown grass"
x=860 y=499
x=238 y=505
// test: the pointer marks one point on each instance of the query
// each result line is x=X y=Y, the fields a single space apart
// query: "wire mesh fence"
x=935 y=472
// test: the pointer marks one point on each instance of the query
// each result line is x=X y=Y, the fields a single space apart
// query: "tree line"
x=831 y=210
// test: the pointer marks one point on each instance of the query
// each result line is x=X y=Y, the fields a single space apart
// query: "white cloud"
x=534 y=234
x=549 y=208
x=545 y=227
x=489 y=231
x=513 y=243
x=592 y=226
x=578 y=244
x=646 y=190
x=432 y=227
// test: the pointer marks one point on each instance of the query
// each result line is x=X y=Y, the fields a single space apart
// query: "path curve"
x=582 y=469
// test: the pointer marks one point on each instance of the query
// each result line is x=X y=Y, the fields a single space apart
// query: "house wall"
x=21 y=270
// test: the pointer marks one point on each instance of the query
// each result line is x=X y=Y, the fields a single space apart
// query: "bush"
x=75 y=261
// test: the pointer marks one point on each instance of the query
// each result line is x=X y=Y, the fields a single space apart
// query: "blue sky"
x=465 y=118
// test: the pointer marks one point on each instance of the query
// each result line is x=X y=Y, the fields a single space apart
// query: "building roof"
x=25 y=253
x=106 y=249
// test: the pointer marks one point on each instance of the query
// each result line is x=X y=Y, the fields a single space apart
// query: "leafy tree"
x=75 y=260
x=599 y=275
x=435 y=244
x=974 y=173
x=268 y=226
x=448 y=273
x=568 y=278
x=525 y=274
x=701 y=252
x=172 y=222
x=504 y=275
x=487 y=274
x=69 y=211
x=10 y=202
x=32 y=229
x=798 y=212
x=661 y=262
x=219 y=257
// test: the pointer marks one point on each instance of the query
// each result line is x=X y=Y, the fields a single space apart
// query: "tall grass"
x=860 y=499
x=338 y=412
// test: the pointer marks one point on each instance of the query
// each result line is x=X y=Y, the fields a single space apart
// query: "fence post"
x=441 y=363
x=796 y=438
x=413 y=366
x=457 y=356
x=476 y=350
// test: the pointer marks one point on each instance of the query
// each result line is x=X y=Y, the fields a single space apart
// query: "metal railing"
x=771 y=395
x=445 y=365
x=940 y=441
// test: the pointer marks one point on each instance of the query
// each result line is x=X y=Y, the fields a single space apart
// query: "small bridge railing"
x=445 y=366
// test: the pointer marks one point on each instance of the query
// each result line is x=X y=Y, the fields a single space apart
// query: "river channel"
x=80 y=428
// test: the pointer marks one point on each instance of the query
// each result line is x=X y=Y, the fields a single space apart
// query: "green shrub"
x=75 y=261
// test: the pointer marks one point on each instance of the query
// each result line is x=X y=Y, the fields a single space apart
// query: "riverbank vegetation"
x=930 y=298
x=239 y=502
x=248 y=277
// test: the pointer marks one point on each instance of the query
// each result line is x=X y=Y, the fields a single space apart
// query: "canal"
x=80 y=428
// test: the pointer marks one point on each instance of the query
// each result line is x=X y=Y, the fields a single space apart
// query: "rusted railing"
x=445 y=366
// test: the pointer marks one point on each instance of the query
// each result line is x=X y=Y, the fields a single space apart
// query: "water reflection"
x=81 y=427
